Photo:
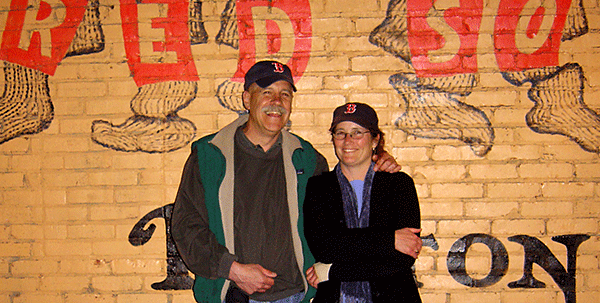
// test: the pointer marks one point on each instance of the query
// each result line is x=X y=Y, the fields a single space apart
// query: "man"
x=236 y=220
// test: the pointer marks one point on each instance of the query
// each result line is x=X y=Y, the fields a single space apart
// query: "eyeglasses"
x=355 y=134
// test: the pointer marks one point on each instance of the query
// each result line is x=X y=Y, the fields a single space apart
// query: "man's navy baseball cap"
x=264 y=73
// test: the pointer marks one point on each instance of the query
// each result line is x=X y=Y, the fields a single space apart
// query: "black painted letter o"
x=457 y=265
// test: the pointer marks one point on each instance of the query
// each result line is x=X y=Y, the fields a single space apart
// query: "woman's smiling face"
x=354 y=152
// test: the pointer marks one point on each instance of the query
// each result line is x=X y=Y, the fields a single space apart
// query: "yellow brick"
x=440 y=172
x=573 y=225
x=142 y=298
x=587 y=208
x=432 y=297
x=113 y=248
x=546 y=171
x=328 y=64
x=339 y=44
x=89 y=195
x=491 y=209
x=83 y=265
x=16 y=215
x=68 y=248
x=86 y=298
x=53 y=179
x=531 y=295
x=89 y=231
x=436 y=282
x=27 y=231
x=8 y=180
x=151 y=177
x=88 y=161
x=117 y=283
x=119 y=177
x=409 y=154
x=122 y=88
x=568 y=152
x=498 y=98
x=145 y=161
x=183 y=297
x=25 y=162
x=424 y=262
x=587 y=170
x=18 y=284
x=475 y=297
x=571 y=189
x=74 y=126
x=138 y=266
x=513 y=190
x=22 y=197
x=109 y=105
x=438 y=209
x=302 y=118
x=493 y=171
x=55 y=232
x=53 y=162
x=590 y=296
x=463 y=227
x=547 y=209
x=16 y=145
x=55 y=197
x=335 y=6
x=5 y=232
x=372 y=63
x=139 y=194
x=33 y=267
x=57 y=283
x=81 y=89
x=120 y=212
x=67 y=143
x=449 y=152
x=46 y=298
x=316 y=101
x=60 y=214
x=378 y=101
x=345 y=82
x=324 y=25
x=517 y=226
x=457 y=190
x=508 y=116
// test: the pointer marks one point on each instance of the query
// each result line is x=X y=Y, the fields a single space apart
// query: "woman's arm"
x=326 y=233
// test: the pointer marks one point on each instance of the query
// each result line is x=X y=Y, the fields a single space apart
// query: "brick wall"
x=68 y=202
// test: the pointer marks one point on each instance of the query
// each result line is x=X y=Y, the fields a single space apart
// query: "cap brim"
x=265 y=82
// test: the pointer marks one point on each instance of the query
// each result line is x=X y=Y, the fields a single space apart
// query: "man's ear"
x=246 y=99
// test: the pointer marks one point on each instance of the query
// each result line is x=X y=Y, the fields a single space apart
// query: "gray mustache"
x=274 y=109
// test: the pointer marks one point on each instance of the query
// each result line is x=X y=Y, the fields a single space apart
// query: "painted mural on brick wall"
x=438 y=39
x=39 y=34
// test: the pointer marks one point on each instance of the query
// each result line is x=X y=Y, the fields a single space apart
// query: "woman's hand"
x=407 y=241
x=311 y=277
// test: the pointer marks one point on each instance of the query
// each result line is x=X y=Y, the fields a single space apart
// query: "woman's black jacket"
x=363 y=254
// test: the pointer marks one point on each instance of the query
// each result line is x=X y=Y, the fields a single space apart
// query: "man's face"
x=270 y=107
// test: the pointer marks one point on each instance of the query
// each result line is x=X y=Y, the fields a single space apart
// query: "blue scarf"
x=356 y=291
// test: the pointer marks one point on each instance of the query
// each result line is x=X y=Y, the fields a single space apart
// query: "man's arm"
x=196 y=243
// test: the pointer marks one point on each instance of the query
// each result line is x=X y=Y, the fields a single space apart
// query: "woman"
x=361 y=226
